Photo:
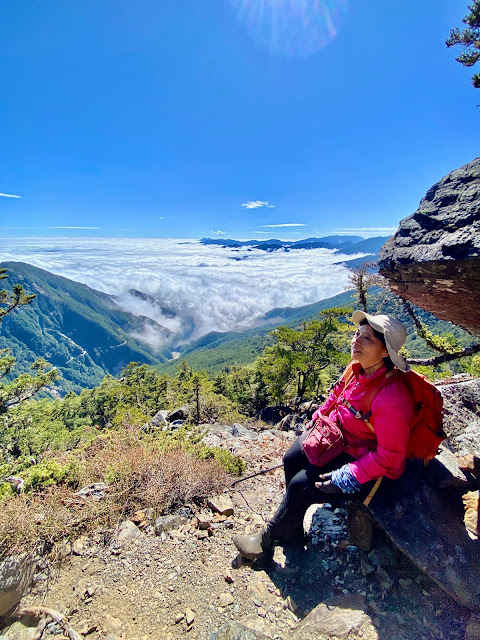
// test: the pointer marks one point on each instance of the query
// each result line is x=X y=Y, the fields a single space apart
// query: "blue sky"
x=163 y=119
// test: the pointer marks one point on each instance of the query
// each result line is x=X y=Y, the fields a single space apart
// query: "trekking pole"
x=259 y=473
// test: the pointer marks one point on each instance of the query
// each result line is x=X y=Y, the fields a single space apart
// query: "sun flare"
x=294 y=28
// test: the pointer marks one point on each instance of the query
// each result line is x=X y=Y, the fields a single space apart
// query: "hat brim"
x=395 y=357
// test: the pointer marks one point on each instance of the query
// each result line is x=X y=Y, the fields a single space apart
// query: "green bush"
x=232 y=464
x=52 y=472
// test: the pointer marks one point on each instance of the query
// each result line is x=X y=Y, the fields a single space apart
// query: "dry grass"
x=138 y=476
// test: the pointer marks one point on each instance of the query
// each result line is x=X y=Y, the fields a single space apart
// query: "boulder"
x=443 y=472
x=181 y=413
x=18 y=631
x=127 y=531
x=158 y=420
x=167 y=523
x=273 y=415
x=433 y=260
x=425 y=524
x=336 y=619
x=16 y=574
x=239 y=431
x=221 y=504
x=461 y=422
x=291 y=422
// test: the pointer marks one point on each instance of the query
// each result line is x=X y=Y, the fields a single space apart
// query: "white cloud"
x=255 y=204
x=287 y=224
x=193 y=288
x=218 y=233
x=160 y=217
x=74 y=228
x=8 y=195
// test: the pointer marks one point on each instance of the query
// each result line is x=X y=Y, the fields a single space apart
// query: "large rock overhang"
x=434 y=258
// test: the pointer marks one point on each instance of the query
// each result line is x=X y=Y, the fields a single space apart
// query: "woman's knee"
x=297 y=485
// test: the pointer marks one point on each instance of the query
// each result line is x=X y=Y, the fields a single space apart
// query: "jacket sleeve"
x=392 y=411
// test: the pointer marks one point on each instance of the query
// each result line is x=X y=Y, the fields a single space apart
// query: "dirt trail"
x=182 y=583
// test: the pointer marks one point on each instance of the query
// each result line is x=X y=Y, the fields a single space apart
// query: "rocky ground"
x=156 y=582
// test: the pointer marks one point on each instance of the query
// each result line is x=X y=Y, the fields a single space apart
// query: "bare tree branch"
x=446 y=357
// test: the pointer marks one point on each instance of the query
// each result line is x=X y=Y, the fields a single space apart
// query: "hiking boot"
x=253 y=547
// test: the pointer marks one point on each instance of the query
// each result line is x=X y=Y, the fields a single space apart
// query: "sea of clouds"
x=195 y=288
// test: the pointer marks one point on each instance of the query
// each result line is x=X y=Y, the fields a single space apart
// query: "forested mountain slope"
x=215 y=350
x=79 y=330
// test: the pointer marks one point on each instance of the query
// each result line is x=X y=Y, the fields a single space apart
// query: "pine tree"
x=25 y=385
x=469 y=39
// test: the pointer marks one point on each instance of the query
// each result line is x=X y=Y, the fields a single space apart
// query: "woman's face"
x=367 y=348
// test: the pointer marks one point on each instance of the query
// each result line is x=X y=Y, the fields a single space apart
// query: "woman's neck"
x=369 y=371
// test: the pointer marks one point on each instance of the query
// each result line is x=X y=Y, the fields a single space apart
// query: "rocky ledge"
x=434 y=258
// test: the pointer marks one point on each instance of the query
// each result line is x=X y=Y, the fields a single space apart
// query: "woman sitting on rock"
x=372 y=453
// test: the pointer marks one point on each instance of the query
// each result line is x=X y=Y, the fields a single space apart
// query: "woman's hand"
x=327 y=485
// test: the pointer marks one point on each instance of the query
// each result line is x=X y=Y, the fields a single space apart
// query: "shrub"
x=230 y=463
x=140 y=471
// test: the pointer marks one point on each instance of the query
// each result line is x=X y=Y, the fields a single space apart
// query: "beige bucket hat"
x=393 y=332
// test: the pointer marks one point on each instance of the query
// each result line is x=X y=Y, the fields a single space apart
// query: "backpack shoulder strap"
x=348 y=374
x=372 y=390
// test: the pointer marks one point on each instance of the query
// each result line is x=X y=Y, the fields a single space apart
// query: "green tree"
x=293 y=366
x=245 y=386
x=24 y=386
x=469 y=39
x=10 y=300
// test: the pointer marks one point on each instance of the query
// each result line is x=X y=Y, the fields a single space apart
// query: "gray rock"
x=181 y=413
x=237 y=631
x=204 y=520
x=18 y=631
x=95 y=491
x=221 y=504
x=319 y=520
x=16 y=574
x=80 y=546
x=383 y=557
x=166 y=523
x=472 y=632
x=434 y=258
x=443 y=471
x=126 y=532
x=112 y=625
x=336 y=619
x=384 y=579
x=461 y=416
x=158 y=420
x=239 y=431
x=291 y=423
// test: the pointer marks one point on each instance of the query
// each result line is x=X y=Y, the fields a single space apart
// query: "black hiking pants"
x=286 y=526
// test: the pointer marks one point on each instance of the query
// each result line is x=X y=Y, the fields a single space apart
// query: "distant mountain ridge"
x=330 y=242
x=346 y=245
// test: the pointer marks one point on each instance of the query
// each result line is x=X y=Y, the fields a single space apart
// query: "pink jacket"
x=384 y=453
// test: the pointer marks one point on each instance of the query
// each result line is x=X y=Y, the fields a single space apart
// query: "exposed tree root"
x=45 y=615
